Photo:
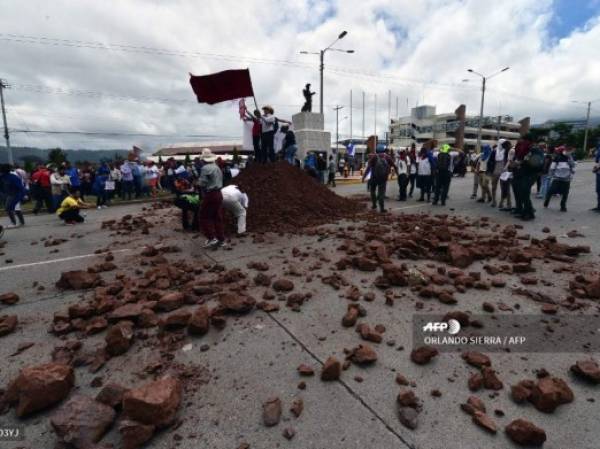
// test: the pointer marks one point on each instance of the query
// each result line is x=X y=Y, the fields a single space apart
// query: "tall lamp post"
x=322 y=63
x=587 y=121
x=483 y=81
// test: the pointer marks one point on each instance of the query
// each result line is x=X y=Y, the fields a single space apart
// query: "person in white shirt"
x=151 y=177
x=236 y=202
x=402 y=171
x=267 y=145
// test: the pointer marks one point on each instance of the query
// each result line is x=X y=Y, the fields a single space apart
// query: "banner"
x=222 y=86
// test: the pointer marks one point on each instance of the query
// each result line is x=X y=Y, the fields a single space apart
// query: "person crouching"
x=189 y=203
x=210 y=214
x=69 y=210
x=236 y=202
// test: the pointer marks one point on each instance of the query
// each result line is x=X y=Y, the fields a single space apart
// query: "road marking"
x=410 y=207
x=24 y=265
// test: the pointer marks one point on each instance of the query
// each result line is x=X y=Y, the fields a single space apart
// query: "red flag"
x=222 y=86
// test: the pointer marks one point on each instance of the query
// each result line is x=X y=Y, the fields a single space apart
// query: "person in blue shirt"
x=99 y=187
x=73 y=175
x=13 y=191
x=596 y=170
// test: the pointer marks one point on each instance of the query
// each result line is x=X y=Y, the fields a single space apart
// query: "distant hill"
x=22 y=154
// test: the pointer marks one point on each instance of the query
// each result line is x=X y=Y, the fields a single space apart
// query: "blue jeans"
x=546 y=180
x=290 y=153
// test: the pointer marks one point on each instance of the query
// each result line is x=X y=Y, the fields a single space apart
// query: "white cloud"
x=418 y=50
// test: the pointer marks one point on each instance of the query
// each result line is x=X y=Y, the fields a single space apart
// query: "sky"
x=94 y=67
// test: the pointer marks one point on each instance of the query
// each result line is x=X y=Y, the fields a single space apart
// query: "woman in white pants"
x=236 y=202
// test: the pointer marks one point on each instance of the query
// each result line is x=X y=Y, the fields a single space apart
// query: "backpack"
x=380 y=170
x=534 y=160
x=443 y=161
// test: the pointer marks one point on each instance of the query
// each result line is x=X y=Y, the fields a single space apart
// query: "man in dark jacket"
x=13 y=191
x=378 y=166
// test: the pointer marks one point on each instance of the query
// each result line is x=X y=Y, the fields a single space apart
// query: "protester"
x=545 y=177
x=482 y=170
x=444 y=170
x=210 y=214
x=87 y=180
x=289 y=144
x=425 y=168
x=127 y=181
x=70 y=207
x=561 y=172
x=473 y=161
x=331 y=170
x=189 y=204
x=378 y=167
x=138 y=177
x=117 y=178
x=269 y=125
x=506 y=179
x=236 y=202
x=151 y=177
x=73 y=174
x=495 y=166
x=59 y=184
x=528 y=163
x=322 y=168
x=41 y=190
x=402 y=167
x=256 y=132
x=596 y=170
x=412 y=172
x=99 y=187
x=13 y=191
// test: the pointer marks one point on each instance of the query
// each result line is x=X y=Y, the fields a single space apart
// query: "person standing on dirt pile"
x=402 y=166
x=596 y=170
x=13 y=192
x=256 y=131
x=445 y=169
x=495 y=166
x=529 y=162
x=379 y=167
x=413 y=168
x=70 y=207
x=236 y=202
x=331 y=169
x=426 y=165
x=289 y=148
x=41 y=187
x=210 y=215
x=322 y=168
x=561 y=172
x=269 y=124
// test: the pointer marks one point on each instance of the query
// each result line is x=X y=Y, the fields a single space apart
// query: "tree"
x=57 y=156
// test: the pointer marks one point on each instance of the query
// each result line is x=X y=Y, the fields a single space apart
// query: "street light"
x=587 y=120
x=322 y=63
x=484 y=79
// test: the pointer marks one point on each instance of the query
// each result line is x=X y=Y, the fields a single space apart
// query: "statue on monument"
x=307 y=99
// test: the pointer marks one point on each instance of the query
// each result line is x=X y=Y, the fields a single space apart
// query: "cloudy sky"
x=121 y=67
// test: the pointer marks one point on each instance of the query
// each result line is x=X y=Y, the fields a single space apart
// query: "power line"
x=121 y=134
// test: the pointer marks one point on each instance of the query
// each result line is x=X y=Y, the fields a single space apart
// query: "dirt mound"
x=283 y=199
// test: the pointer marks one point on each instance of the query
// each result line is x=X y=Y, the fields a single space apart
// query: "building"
x=179 y=151
x=455 y=128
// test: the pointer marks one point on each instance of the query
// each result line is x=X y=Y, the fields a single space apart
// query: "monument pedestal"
x=310 y=134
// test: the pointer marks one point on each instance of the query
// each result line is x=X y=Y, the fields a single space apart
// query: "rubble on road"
x=588 y=370
x=9 y=298
x=525 y=433
x=8 y=324
x=272 y=412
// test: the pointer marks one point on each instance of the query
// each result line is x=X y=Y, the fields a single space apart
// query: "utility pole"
x=363 y=115
x=498 y=128
x=375 y=116
x=321 y=68
x=387 y=127
x=397 y=112
x=337 y=135
x=350 y=114
x=587 y=127
x=6 y=135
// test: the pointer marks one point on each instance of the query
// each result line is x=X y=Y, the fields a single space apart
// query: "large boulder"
x=77 y=280
x=549 y=393
x=39 y=387
x=82 y=421
x=155 y=403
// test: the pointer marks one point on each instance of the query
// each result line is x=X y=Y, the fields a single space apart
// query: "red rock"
x=521 y=392
x=171 y=301
x=82 y=421
x=331 y=369
x=77 y=280
x=408 y=417
x=363 y=355
x=147 y=319
x=9 y=298
x=473 y=405
x=549 y=393
x=297 y=407
x=267 y=306
x=350 y=317
x=39 y=387
x=490 y=380
x=175 y=320
x=119 y=338
x=8 y=324
x=401 y=380
x=95 y=325
x=550 y=309
x=283 y=285
x=476 y=359
x=522 y=267
x=272 y=412
x=587 y=370
x=488 y=307
x=259 y=266
x=288 y=433
x=154 y=403
x=112 y=395
x=262 y=279
x=306 y=370
x=525 y=433
x=368 y=334
x=484 y=421
x=364 y=264
x=199 y=321
x=423 y=355
x=236 y=303
x=459 y=255
x=498 y=283
x=407 y=398
x=134 y=434
x=129 y=311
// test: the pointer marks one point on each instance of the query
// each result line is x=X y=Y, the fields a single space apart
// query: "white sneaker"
x=13 y=226
x=99 y=207
x=221 y=244
x=211 y=243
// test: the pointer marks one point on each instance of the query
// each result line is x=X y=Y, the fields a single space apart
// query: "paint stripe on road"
x=64 y=259
x=411 y=207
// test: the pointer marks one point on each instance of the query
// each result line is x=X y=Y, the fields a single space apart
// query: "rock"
x=476 y=359
x=8 y=324
x=306 y=370
x=119 y=338
x=39 y=387
x=134 y=434
x=77 y=280
x=423 y=355
x=525 y=433
x=473 y=404
x=262 y=279
x=9 y=298
x=408 y=417
x=112 y=395
x=149 y=251
x=522 y=391
x=288 y=433
x=488 y=307
x=199 y=322
x=258 y=266
x=154 y=403
x=363 y=355
x=272 y=412
x=331 y=369
x=236 y=303
x=368 y=334
x=267 y=306
x=549 y=393
x=175 y=320
x=297 y=407
x=498 y=283
x=459 y=255
x=283 y=285
x=550 y=309
x=407 y=398
x=401 y=380
x=129 y=311
x=82 y=421
x=587 y=370
x=484 y=421
x=170 y=301
x=490 y=380
x=95 y=325
x=147 y=319
x=364 y=264
x=350 y=317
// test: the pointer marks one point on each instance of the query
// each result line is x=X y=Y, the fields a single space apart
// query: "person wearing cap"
x=210 y=215
x=236 y=202
x=269 y=124
x=378 y=168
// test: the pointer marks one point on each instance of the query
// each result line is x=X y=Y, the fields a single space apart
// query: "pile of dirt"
x=283 y=199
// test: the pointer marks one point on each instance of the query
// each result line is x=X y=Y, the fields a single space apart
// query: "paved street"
x=255 y=356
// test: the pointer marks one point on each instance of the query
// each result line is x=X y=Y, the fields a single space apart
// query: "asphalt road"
x=255 y=357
